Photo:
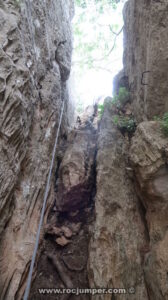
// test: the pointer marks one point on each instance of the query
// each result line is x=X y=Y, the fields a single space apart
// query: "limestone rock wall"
x=129 y=243
x=119 y=237
x=149 y=157
x=35 y=61
x=129 y=240
x=145 y=56
x=145 y=65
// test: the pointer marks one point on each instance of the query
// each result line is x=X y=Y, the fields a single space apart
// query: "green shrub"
x=100 y=110
x=125 y=124
x=123 y=95
x=17 y=3
x=156 y=118
x=80 y=107
x=116 y=119
x=164 y=124
x=128 y=124
x=118 y=100
x=121 y=98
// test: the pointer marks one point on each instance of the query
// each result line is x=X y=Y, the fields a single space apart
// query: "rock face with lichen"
x=35 y=60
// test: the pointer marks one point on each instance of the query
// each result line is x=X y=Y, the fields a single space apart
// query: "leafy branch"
x=91 y=60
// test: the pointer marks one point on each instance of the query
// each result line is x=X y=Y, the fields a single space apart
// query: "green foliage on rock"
x=80 y=107
x=100 y=110
x=156 y=118
x=118 y=101
x=164 y=124
x=127 y=124
x=17 y=3
x=122 y=97
x=124 y=123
